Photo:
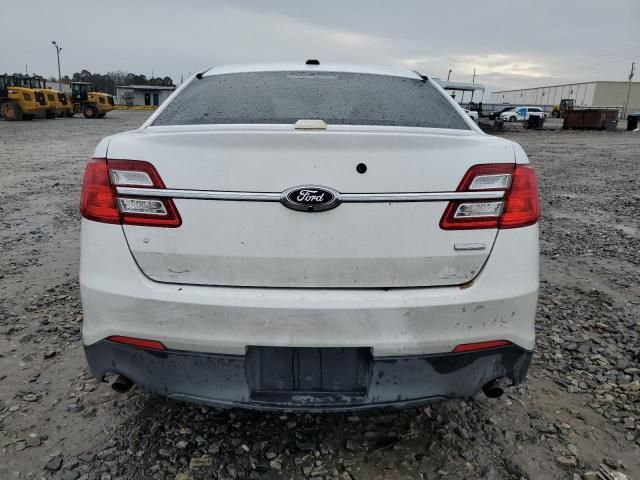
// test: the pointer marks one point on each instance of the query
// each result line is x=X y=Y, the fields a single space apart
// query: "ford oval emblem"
x=310 y=198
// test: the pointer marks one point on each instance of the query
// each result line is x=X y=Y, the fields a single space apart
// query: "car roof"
x=302 y=67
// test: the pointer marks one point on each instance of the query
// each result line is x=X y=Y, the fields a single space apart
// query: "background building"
x=135 y=95
x=586 y=94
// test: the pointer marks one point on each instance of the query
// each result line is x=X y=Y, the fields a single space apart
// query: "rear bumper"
x=118 y=299
x=224 y=381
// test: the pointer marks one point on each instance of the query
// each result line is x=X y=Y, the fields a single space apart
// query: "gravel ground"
x=579 y=408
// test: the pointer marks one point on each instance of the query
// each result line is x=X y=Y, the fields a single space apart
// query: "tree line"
x=107 y=83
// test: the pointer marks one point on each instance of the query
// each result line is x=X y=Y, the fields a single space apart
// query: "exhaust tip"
x=122 y=384
x=494 y=389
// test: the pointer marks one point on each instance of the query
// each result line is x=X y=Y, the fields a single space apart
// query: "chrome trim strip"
x=275 y=197
x=419 y=197
x=200 y=194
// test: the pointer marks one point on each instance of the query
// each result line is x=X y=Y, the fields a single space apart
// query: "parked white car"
x=521 y=114
x=473 y=114
x=309 y=237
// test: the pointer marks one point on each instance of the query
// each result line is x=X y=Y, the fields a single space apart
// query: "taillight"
x=100 y=201
x=519 y=207
x=522 y=203
x=137 y=342
x=474 y=347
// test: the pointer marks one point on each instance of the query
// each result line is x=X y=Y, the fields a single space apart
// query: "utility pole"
x=58 y=50
x=449 y=75
x=626 y=105
x=474 y=76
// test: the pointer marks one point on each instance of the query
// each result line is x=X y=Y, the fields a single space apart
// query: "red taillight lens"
x=137 y=342
x=473 y=347
x=522 y=206
x=100 y=201
x=519 y=207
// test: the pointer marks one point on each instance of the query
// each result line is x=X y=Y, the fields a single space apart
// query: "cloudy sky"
x=510 y=43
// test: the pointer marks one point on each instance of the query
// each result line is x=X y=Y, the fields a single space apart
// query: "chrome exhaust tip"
x=495 y=388
x=122 y=384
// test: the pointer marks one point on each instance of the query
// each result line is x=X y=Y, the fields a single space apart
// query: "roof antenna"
x=423 y=77
x=312 y=61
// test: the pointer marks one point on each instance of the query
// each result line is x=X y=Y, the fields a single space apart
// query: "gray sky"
x=511 y=43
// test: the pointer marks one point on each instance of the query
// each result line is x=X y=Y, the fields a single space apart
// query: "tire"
x=28 y=117
x=11 y=111
x=512 y=119
x=101 y=115
x=70 y=113
x=89 y=111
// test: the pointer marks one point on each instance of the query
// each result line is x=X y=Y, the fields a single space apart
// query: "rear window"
x=338 y=98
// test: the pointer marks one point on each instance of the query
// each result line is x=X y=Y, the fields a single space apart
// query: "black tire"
x=512 y=119
x=28 y=116
x=89 y=111
x=11 y=111
x=101 y=115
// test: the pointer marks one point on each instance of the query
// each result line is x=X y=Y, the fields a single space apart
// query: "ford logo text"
x=310 y=198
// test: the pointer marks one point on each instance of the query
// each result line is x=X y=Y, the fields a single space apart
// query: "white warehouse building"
x=137 y=95
x=585 y=94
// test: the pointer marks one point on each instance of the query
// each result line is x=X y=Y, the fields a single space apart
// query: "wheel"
x=28 y=117
x=101 y=115
x=512 y=119
x=11 y=111
x=89 y=111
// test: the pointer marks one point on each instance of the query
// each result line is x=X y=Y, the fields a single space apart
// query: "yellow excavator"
x=20 y=102
x=90 y=103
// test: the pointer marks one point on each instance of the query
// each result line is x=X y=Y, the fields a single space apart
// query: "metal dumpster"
x=591 y=118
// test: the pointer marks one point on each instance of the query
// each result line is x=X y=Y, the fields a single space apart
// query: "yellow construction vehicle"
x=19 y=102
x=565 y=105
x=58 y=103
x=92 y=104
x=67 y=105
x=53 y=108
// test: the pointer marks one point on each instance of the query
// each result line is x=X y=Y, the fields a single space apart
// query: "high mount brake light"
x=519 y=207
x=100 y=201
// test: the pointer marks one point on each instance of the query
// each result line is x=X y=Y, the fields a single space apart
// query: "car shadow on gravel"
x=457 y=438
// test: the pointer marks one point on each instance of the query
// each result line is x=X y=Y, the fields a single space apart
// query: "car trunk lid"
x=374 y=242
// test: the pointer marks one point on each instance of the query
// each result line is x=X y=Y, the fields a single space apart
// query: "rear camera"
x=361 y=168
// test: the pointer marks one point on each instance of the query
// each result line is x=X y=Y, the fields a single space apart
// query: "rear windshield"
x=336 y=97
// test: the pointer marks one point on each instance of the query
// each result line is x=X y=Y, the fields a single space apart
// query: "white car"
x=307 y=236
x=521 y=114
x=473 y=114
